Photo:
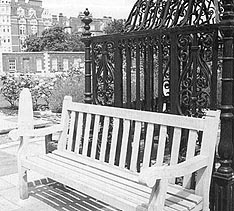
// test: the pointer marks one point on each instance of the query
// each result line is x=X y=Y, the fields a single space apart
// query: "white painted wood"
x=135 y=146
x=148 y=145
x=116 y=185
x=124 y=145
x=104 y=138
x=79 y=132
x=158 y=195
x=25 y=123
x=15 y=134
x=208 y=145
x=189 y=154
x=175 y=149
x=71 y=131
x=142 y=116
x=86 y=134
x=64 y=122
x=95 y=136
x=149 y=175
x=114 y=140
x=161 y=145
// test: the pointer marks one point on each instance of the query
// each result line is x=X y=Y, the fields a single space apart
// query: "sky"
x=118 y=9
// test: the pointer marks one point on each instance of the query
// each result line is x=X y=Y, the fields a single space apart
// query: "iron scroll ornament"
x=195 y=65
x=154 y=14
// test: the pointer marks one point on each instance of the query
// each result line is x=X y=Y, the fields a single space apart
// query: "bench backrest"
x=133 y=139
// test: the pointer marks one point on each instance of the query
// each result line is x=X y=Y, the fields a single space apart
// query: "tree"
x=54 y=39
x=115 y=26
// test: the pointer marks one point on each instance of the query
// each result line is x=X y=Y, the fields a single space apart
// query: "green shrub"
x=72 y=85
x=40 y=89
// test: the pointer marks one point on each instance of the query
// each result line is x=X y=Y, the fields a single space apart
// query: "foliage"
x=47 y=92
x=54 y=39
x=40 y=89
x=71 y=84
x=114 y=26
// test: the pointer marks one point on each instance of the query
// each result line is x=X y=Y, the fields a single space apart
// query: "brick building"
x=20 y=18
x=40 y=62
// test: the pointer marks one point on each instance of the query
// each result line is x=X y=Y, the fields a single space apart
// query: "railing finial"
x=86 y=20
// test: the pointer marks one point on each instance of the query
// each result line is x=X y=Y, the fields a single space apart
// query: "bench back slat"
x=161 y=145
x=135 y=146
x=95 y=136
x=86 y=135
x=175 y=149
x=148 y=145
x=114 y=140
x=124 y=144
x=191 y=145
x=71 y=131
x=65 y=122
x=79 y=132
x=104 y=138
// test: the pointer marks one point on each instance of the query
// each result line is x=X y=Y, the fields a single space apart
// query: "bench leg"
x=23 y=183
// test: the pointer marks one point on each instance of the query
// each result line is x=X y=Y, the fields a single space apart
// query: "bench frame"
x=157 y=177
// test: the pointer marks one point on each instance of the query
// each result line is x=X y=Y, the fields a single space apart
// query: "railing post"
x=86 y=39
x=223 y=178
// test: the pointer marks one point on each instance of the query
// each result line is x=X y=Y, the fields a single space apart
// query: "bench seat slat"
x=111 y=186
x=127 y=175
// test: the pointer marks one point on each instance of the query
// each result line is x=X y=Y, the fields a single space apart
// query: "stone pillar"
x=86 y=39
x=223 y=178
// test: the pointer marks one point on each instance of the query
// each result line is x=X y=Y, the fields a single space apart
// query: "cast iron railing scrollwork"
x=154 y=14
x=195 y=51
x=103 y=54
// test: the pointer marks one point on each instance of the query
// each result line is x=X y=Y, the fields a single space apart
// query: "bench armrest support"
x=148 y=176
x=15 y=134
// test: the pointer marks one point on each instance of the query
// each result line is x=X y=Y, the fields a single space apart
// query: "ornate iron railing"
x=157 y=70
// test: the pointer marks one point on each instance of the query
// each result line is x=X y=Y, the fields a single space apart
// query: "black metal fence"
x=169 y=70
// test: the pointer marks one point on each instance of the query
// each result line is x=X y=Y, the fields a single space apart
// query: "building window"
x=65 y=65
x=22 y=30
x=12 y=65
x=39 y=65
x=34 y=29
x=26 y=65
x=77 y=62
x=54 y=65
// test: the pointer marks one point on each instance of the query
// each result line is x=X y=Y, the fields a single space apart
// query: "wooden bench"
x=99 y=154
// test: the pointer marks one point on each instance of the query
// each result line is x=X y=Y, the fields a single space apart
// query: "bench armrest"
x=15 y=134
x=148 y=176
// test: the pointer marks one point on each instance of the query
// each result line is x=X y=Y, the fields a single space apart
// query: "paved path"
x=44 y=194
